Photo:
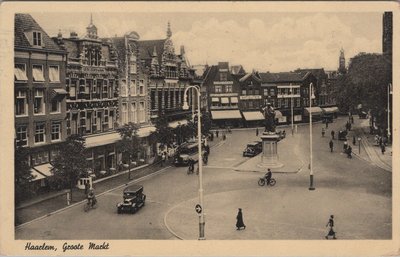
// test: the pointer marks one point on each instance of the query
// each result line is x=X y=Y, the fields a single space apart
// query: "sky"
x=262 y=41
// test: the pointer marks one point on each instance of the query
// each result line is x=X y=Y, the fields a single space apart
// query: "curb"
x=99 y=195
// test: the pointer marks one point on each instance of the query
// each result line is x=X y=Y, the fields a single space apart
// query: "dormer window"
x=37 y=38
x=223 y=76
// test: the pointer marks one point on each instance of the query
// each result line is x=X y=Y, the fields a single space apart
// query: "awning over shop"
x=104 y=139
x=278 y=114
x=224 y=100
x=57 y=92
x=146 y=131
x=234 y=100
x=229 y=114
x=249 y=116
x=37 y=175
x=175 y=124
x=314 y=110
x=42 y=171
x=330 y=110
x=215 y=100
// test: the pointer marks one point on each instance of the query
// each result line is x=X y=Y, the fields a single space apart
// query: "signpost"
x=198 y=208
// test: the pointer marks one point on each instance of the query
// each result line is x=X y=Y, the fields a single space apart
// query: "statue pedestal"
x=269 y=157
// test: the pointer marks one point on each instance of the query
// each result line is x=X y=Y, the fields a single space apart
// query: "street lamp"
x=291 y=105
x=390 y=91
x=311 y=153
x=359 y=145
x=199 y=136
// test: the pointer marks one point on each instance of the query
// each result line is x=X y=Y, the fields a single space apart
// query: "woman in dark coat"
x=239 y=220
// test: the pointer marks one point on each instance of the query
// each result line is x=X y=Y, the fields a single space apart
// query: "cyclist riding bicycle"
x=91 y=198
x=268 y=176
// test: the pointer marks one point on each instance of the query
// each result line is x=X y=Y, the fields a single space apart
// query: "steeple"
x=342 y=62
x=91 y=30
x=169 y=32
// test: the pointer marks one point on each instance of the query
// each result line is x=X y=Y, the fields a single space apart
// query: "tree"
x=365 y=83
x=164 y=133
x=70 y=164
x=22 y=173
x=130 y=143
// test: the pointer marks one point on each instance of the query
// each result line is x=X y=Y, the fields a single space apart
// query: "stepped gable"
x=25 y=23
x=146 y=50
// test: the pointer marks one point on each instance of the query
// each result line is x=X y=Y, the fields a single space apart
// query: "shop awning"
x=278 y=114
x=225 y=115
x=57 y=92
x=314 y=110
x=215 y=100
x=146 y=131
x=330 y=110
x=249 y=116
x=104 y=139
x=234 y=100
x=175 y=124
x=37 y=175
x=224 y=100
x=42 y=171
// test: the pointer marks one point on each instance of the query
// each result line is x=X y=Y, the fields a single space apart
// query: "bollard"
x=68 y=198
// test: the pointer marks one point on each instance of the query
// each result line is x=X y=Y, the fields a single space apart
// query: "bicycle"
x=262 y=182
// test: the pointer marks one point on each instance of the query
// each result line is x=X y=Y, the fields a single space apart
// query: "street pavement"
x=357 y=192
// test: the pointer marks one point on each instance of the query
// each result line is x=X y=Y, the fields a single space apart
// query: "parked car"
x=134 y=199
x=342 y=135
x=183 y=153
x=252 y=149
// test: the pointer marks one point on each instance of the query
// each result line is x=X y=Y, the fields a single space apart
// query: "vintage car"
x=134 y=199
x=327 y=118
x=184 y=152
x=342 y=135
x=252 y=149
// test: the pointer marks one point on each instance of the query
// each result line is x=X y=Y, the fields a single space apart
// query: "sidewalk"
x=53 y=201
x=369 y=151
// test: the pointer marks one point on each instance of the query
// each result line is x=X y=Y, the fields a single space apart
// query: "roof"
x=133 y=188
x=146 y=49
x=237 y=69
x=26 y=23
x=284 y=76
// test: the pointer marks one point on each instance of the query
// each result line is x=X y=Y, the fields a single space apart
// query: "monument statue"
x=269 y=115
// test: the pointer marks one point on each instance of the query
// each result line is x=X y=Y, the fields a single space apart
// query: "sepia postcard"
x=199 y=128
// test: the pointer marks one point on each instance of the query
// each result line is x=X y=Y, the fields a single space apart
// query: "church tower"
x=342 y=62
x=91 y=30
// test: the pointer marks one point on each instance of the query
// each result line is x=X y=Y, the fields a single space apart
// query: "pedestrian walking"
x=326 y=123
x=323 y=132
x=239 y=220
x=383 y=148
x=354 y=140
x=345 y=146
x=217 y=133
x=163 y=158
x=257 y=132
x=352 y=119
x=349 y=151
x=331 y=145
x=212 y=136
x=331 y=231
x=223 y=136
x=333 y=134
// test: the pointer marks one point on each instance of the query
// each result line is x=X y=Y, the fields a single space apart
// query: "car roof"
x=133 y=188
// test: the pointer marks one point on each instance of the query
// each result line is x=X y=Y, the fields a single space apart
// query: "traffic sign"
x=198 y=208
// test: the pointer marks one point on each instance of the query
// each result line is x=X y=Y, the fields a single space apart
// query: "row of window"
x=271 y=91
x=90 y=89
x=90 y=122
x=132 y=91
x=223 y=88
x=20 y=73
x=22 y=133
x=172 y=99
x=39 y=105
x=132 y=115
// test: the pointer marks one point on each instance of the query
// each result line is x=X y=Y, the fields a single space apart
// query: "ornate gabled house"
x=169 y=75
x=92 y=99
x=39 y=86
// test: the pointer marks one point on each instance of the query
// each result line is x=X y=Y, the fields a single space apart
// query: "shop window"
x=40 y=158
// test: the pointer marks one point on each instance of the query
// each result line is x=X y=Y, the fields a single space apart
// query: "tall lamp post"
x=388 y=107
x=291 y=106
x=311 y=151
x=199 y=135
